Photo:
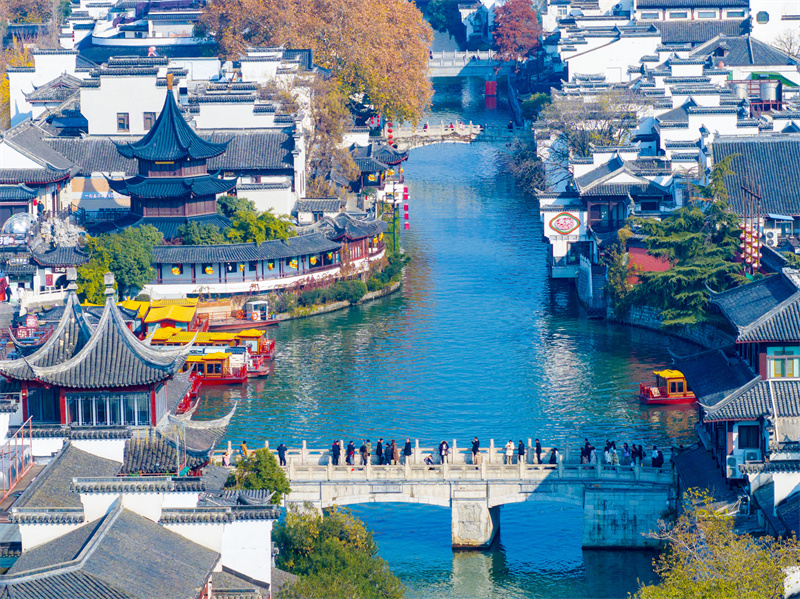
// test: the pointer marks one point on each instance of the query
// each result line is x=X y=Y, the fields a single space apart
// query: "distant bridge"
x=483 y=64
x=410 y=137
x=621 y=504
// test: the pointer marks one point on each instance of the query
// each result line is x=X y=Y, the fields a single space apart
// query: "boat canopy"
x=669 y=374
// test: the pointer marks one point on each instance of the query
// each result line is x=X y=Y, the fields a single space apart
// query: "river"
x=477 y=342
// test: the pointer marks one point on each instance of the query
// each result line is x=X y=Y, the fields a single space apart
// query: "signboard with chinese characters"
x=564 y=223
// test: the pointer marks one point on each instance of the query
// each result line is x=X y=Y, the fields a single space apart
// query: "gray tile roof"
x=93 y=155
x=113 y=357
x=771 y=162
x=128 y=556
x=16 y=193
x=323 y=205
x=698 y=32
x=61 y=256
x=780 y=324
x=714 y=375
x=776 y=397
x=27 y=139
x=153 y=188
x=154 y=456
x=62 y=549
x=343 y=226
x=32 y=176
x=747 y=304
x=301 y=245
x=744 y=50
x=50 y=489
x=59 y=89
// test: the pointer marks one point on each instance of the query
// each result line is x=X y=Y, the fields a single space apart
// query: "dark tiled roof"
x=171 y=138
x=780 y=324
x=771 y=162
x=344 y=226
x=744 y=50
x=691 y=3
x=698 y=32
x=61 y=256
x=62 y=549
x=57 y=90
x=51 y=487
x=325 y=205
x=16 y=193
x=93 y=155
x=648 y=189
x=154 y=456
x=788 y=511
x=69 y=337
x=155 y=188
x=127 y=557
x=747 y=304
x=301 y=245
x=32 y=176
x=714 y=375
x=760 y=398
x=167 y=225
x=27 y=139
x=113 y=357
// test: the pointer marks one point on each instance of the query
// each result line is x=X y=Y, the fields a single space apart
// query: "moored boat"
x=670 y=388
x=216 y=369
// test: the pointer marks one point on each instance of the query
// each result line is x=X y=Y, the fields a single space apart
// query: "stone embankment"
x=704 y=335
x=300 y=312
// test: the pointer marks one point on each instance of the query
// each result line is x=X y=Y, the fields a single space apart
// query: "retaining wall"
x=701 y=334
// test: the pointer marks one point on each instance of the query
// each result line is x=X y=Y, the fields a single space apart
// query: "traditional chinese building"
x=173 y=185
x=100 y=376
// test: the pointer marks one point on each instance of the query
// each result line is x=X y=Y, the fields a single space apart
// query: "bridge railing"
x=481 y=472
x=460 y=59
x=492 y=455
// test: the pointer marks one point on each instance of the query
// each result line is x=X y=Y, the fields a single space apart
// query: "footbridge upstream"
x=408 y=137
x=620 y=504
x=484 y=64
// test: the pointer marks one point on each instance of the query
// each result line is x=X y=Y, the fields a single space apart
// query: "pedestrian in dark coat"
x=351 y=453
x=282 y=454
x=387 y=454
x=407 y=450
x=538 y=450
x=379 y=451
x=476 y=449
x=521 y=452
x=363 y=451
x=336 y=451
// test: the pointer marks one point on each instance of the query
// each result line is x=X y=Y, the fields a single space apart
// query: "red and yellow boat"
x=670 y=388
x=215 y=369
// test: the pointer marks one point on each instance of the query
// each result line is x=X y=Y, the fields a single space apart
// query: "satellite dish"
x=18 y=225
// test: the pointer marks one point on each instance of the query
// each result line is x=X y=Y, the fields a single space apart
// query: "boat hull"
x=666 y=401
x=235 y=324
x=225 y=381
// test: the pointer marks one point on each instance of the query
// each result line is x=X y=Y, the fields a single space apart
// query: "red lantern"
x=405 y=207
x=405 y=194
x=389 y=129
x=406 y=215
x=406 y=226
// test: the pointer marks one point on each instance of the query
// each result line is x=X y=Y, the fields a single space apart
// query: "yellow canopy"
x=669 y=374
x=250 y=333
x=202 y=357
x=187 y=302
x=164 y=333
x=174 y=313
x=140 y=307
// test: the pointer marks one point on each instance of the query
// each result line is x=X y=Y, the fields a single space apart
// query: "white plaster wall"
x=259 y=71
x=46 y=447
x=767 y=32
x=47 y=67
x=234 y=115
x=96 y=505
x=171 y=500
x=144 y=504
x=199 y=69
x=11 y=158
x=33 y=535
x=792 y=582
x=247 y=548
x=110 y=449
x=786 y=483
x=207 y=534
x=134 y=95
x=613 y=59
x=686 y=70
x=281 y=201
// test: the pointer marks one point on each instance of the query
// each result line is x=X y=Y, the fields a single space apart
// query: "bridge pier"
x=474 y=524
x=620 y=518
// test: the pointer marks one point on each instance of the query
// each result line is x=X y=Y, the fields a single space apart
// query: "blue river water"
x=478 y=341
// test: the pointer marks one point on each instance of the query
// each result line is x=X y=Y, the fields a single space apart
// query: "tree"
x=204 y=234
x=230 y=205
x=619 y=270
x=260 y=471
x=706 y=558
x=437 y=12
x=788 y=41
x=527 y=167
x=335 y=556
x=715 y=188
x=249 y=227
x=15 y=55
x=127 y=255
x=517 y=32
x=532 y=106
x=376 y=50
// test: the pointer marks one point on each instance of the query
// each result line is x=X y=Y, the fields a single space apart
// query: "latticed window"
x=108 y=409
x=783 y=362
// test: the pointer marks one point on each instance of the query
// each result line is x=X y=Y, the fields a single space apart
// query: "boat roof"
x=175 y=313
x=250 y=333
x=669 y=374
x=201 y=357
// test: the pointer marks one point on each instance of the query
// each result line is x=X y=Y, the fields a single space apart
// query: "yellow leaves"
x=16 y=55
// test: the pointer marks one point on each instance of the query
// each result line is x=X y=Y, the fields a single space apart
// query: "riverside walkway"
x=620 y=504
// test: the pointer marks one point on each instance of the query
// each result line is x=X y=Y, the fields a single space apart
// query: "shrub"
x=348 y=291
x=285 y=302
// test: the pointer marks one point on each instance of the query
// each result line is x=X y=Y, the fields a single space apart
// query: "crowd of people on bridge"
x=390 y=453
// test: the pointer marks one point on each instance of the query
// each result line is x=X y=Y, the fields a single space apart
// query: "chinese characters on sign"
x=564 y=223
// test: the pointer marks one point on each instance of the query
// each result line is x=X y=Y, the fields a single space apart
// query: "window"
x=676 y=387
x=252 y=266
x=678 y=14
x=650 y=16
x=562 y=11
x=748 y=436
x=230 y=267
x=706 y=14
x=111 y=409
x=783 y=362
x=735 y=14
x=762 y=17
x=149 y=120
x=123 y=124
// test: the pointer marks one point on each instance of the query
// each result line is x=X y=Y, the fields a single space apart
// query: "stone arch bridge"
x=621 y=504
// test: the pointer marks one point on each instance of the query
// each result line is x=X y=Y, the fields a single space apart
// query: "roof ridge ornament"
x=72 y=278
x=108 y=280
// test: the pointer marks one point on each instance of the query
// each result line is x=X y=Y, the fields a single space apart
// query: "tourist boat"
x=258 y=351
x=216 y=369
x=254 y=315
x=670 y=388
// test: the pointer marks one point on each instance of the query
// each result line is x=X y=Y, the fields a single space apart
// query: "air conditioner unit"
x=732 y=467
x=772 y=243
x=752 y=456
x=770 y=234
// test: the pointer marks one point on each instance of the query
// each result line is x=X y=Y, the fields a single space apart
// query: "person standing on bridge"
x=476 y=451
x=282 y=454
x=387 y=454
x=351 y=453
x=395 y=454
x=379 y=451
x=509 y=447
x=363 y=451
x=407 y=451
x=369 y=450
x=538 y=452
x=336 y=451
x=521 y=452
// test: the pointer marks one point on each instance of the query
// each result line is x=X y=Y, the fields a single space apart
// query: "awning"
x=779 y=217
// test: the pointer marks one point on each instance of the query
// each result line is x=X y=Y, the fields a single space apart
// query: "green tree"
x=335 y=556
x=437 y=13
x=619 y=270
x=249 y=227
x=715 y=188
x=91 y=287
x=230 y=205
x=527 y=168
x=260 y=471
x=532 y=106
x=204 y=234
x=707 y=559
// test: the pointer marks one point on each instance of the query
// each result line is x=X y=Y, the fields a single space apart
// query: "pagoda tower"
x=173 y=186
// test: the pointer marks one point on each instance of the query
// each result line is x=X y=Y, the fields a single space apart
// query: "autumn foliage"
x=517 y=32
x=16 y=55
x=374 y=47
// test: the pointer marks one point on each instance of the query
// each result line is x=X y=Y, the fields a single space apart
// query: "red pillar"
x=63 y=401
x=153 y=417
